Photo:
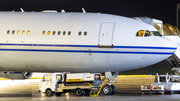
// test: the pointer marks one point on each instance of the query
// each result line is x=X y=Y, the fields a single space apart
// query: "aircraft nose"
x=168 y=44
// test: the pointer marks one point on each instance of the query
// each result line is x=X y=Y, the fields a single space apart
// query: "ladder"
x=174 y=62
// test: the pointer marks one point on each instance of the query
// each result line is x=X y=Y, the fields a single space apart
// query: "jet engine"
x=16 y=75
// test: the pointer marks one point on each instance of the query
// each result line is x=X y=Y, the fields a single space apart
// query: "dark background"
x=164 y=10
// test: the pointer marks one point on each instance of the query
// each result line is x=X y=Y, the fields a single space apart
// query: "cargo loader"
x=163 y=84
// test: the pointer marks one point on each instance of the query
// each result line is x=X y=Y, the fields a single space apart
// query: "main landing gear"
x=108 y=88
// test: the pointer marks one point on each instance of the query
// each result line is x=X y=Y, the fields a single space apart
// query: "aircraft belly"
x=96 y=62
x=69 y=60
x=27 y=61
x=129 y=59
x=124 y=62
x=74 y=59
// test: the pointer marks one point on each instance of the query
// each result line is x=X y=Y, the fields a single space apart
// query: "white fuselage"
x=119 y=47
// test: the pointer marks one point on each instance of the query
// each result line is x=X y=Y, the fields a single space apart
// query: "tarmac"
x=128 y=89
x=116 y=97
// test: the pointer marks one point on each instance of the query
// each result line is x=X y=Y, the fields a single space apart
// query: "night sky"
x=159 y=9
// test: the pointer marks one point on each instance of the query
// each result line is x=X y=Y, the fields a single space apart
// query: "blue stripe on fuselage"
x=86 y=51
x=90 y=46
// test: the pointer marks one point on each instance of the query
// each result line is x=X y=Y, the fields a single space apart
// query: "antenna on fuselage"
x=83 y=10
x=21 y=10
x=62 y=11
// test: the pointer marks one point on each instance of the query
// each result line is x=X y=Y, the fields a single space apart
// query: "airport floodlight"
x=177 y=18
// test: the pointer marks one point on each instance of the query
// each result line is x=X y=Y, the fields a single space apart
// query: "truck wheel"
x=78 y=92
x=58 y=94
x=113 y=89
x=107 y=90
x=49 y=93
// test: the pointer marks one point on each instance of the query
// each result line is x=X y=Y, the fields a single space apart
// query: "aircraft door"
x=106 y=34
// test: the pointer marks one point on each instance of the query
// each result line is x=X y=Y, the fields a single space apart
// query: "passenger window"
x=140 y=33
x=59 y=32
x=85 y=33
x=28 y=32
x=43 y=33
x=23 y=32
x=13 y=31
x=64 y=33
x=147 y=33
x=8 y=31
x=79 y=33
x=54 y=32
x=69 y=33
x=49 y=32
x=18 y=32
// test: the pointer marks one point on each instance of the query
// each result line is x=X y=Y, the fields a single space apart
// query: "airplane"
x=77 y=42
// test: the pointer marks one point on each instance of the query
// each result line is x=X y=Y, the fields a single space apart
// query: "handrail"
x=95 y=95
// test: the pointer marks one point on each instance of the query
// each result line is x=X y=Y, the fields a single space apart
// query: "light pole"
x=177 y=14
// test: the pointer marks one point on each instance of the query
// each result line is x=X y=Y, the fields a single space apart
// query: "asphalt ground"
x=128 y=89
x=123 y=85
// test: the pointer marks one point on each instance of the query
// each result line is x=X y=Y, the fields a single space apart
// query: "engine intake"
x=16 y=75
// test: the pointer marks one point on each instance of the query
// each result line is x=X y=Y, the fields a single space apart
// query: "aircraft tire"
x=113 y=89
x=58 y=94
x=78 y=92
x=107 y=90
x=49 y=92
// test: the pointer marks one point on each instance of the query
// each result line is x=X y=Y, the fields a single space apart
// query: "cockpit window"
x=147 y=33
x=140 y=33
x=156 y=33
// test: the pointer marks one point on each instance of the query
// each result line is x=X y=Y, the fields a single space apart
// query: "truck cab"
x=50 y=81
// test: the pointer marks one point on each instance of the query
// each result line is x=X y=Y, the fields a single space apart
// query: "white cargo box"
x=79 y=77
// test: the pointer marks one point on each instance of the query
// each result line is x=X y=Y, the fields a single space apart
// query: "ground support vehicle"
x=80 y=83
x=163 y=83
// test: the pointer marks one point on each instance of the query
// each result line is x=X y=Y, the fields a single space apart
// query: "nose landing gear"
x=108 y=88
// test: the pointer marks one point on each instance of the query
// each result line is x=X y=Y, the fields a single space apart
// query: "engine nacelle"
x=16 y=75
